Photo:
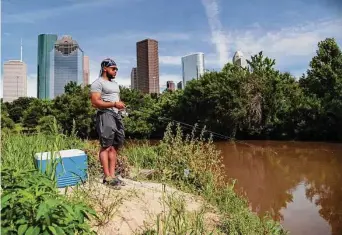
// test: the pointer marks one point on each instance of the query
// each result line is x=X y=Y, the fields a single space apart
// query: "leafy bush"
x=191 y=161
x=31 y=204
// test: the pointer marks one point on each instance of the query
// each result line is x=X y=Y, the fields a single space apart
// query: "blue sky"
x=287 y=31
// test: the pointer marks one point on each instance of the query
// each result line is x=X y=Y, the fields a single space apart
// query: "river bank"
x=191 y=167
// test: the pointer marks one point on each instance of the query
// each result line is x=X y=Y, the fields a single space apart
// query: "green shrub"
x=31 y=204
x=188 y=161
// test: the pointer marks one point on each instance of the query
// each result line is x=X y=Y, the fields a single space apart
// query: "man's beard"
x=109 y=76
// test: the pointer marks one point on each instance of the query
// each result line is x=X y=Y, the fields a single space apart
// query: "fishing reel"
x=125 y=112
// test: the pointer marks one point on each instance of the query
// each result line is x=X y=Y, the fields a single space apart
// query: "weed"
x=175 y=219
x=30 y=204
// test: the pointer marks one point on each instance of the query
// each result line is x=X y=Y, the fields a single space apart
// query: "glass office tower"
x=192 y=67
x=66 y=61
x=46 y=43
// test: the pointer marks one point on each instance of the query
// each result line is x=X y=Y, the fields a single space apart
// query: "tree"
x=36 y=110
x=6 y=121
x=72 y=87
x=75 y=107
x=323 y=83
x=17 y=108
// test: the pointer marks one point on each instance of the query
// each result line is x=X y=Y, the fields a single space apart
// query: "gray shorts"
x=110 y=128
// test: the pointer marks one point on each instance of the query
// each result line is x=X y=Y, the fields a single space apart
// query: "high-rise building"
x=170 y=85
x=14 y=80
x=192 y=67
x=238 y=59
x=66 y=65
x=85 y=70
x=179 y=85
x=46 y=44
x=134 y=79
x=148 y=66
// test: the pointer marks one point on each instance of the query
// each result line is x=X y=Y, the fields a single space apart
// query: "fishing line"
x=188 y=126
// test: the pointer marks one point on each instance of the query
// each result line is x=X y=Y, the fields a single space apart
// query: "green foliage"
x=36 y=110
x=72 y=88
x=141 y=155
x=48 y=125
x=178 y=155
x=6 y=121
x=17 y=108
x=74 y=107
x=323 y=84
x=30 y=204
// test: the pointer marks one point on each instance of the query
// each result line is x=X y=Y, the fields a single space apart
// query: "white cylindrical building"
x=238 y=59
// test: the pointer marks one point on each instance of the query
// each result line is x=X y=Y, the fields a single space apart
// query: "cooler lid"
x=62 y=154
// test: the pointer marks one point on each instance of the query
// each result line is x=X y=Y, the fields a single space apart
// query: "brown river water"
x=299 y=183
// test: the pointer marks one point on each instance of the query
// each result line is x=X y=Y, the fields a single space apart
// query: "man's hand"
x=119 y=105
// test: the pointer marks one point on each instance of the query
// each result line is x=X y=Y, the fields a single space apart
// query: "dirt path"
x=135 y=207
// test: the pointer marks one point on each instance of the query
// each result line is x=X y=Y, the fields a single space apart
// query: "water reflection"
x=271 y=181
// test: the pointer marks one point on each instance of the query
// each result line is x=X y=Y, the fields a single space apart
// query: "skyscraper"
x=148 y=66
x=192 y=67
x=14 y=80
x=66 y=65
x=46 y=43
x=238 y=59
x=85 y=70
x=179 y=85
x=170 y=85
x=134 y=79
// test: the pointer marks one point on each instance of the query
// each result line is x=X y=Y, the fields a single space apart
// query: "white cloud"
x=170 y=60
x=217 y=35
x=287 y=45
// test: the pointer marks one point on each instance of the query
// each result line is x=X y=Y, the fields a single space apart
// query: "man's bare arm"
x=97 y=102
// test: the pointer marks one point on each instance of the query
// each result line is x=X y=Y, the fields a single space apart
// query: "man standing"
x=105 y=96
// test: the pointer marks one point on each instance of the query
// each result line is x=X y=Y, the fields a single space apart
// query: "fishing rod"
x=189 y=126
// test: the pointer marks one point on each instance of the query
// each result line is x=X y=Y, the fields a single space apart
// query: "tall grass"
x=175 y=219
x=19 y=149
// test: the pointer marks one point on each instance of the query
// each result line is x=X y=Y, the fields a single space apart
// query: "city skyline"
x=287 y=32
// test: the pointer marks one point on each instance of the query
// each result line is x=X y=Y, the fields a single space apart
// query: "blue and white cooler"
x=71 y=169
